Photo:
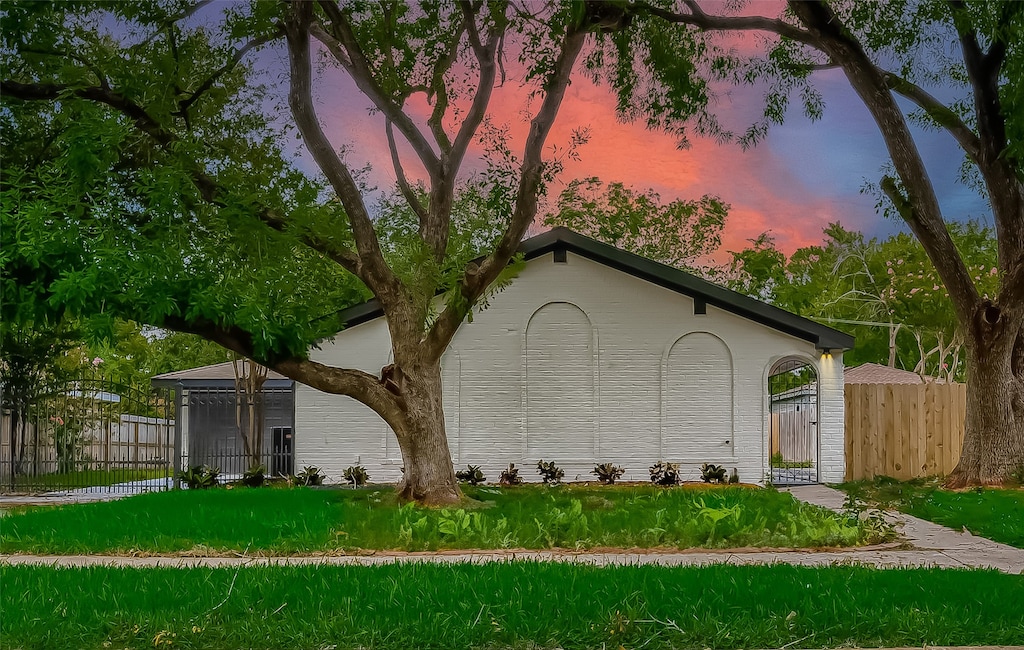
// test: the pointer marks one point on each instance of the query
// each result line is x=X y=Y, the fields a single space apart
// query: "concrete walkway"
x=928 y=544
x=958 y=548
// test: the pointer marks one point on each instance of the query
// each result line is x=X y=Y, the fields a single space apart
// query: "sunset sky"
x=803 y=176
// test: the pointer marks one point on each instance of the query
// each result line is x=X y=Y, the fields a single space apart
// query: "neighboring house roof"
x=662 y=275
x=216 y=375
x=876 y=373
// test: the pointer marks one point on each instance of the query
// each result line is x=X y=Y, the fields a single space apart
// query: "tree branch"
x=921 y=208
x=100 y=77
x=374 y=271
x=706 y=22
x=403 y=182
x=942 y=114
x=342 y=43
x=478 y=277
x=1003 y=175
x=435 y=229
x=239 y=54
x=485 y=56
x=357 y=384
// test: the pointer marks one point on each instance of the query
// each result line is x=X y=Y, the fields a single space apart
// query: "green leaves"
x=679 y=233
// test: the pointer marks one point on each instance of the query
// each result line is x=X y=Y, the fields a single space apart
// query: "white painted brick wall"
x=634 y=325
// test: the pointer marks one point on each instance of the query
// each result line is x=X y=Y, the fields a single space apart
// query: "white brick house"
x=592 y=355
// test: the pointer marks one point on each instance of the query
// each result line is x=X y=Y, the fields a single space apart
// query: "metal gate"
x=793 y=448
x=94 y=434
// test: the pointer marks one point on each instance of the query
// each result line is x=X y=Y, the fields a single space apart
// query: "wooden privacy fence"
x=903 y=430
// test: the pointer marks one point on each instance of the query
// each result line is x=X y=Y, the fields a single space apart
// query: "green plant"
x=712 y=473
x=607 y=473
x=471 y=475
x=664 y=473
x=550 y=473
x=510 y=476
x=200 y=477
x=356 y=475
x=309 y=475
x=255 y=476
x=777 y=460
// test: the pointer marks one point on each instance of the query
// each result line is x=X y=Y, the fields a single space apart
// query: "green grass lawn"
x=283 y=521
x=994 y=513
x=507 y=605
x=85 y=478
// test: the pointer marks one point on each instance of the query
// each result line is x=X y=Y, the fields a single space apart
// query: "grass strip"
x=995 y=513
x=283 y=521
x=507 y=605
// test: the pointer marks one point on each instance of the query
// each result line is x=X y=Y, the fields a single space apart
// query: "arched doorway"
x=793 y=440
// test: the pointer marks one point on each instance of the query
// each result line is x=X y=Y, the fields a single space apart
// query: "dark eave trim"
x=198 y=384
x=822 y=336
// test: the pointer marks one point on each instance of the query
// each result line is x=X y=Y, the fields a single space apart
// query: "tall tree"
x=162 y=128
x=664 y=66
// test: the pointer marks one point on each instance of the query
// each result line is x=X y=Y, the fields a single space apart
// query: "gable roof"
x=875 y=373
x=215 y=375
x=671 y=278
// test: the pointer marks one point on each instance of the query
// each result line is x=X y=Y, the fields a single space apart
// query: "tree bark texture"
x=428 y=475
x=993 y=444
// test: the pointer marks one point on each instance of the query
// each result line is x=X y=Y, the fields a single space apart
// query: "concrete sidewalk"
x=930 y=545
x=960 y=548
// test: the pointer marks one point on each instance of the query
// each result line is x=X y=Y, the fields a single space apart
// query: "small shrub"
x=550 y=473
x=356 y=475
x=664 y=474
x=712 y=473
x=607 y=473
x=471 y=475
x=200 y=477
x=510 y=476
x=309 y=476
x=255 y=476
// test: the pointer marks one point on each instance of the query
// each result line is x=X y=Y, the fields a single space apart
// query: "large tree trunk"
x=429 y=476
x=993 y=444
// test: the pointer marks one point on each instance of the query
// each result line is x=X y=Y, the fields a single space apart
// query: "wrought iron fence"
x=91 y=434
x=97 y=434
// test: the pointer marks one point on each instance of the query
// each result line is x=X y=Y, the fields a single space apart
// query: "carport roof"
x=218 y=374
x=563 y=239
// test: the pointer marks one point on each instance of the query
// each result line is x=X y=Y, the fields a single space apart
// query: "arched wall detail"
x=697 y=399
x=451 y=387
x=560 y=385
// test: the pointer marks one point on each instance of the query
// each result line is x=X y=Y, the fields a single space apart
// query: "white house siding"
x=580 y=363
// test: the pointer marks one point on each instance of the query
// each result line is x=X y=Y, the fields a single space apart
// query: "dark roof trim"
x=190 y=384
x=662 y=275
